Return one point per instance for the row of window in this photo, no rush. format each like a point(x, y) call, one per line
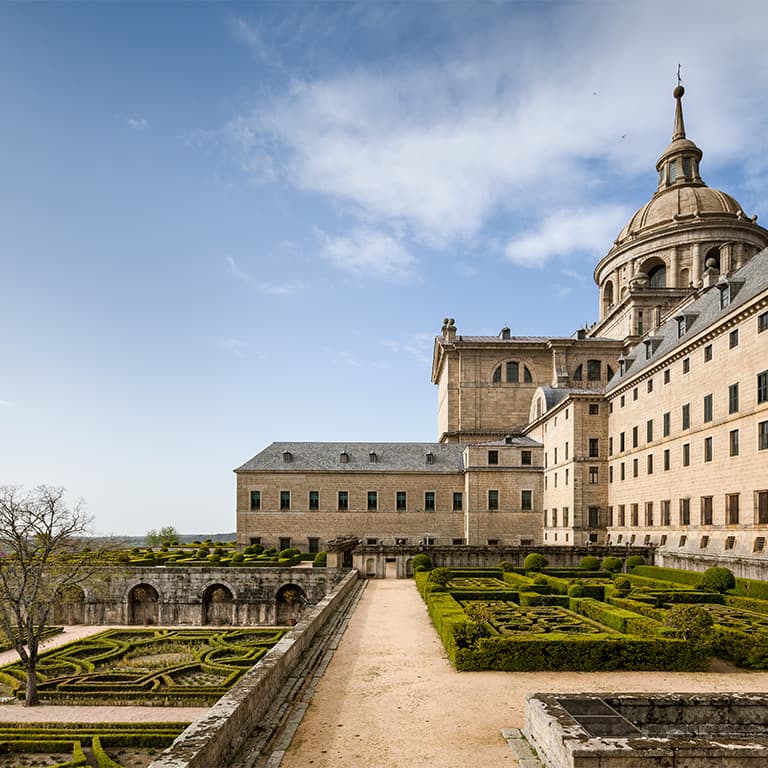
point(734, 449)
point(526, 458)
point(630, 515)
point(593, 450)
point(758, 544)
point(555, 520)
point(401, 501)
point(685, 414)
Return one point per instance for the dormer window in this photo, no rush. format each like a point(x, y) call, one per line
point(430, 457)
point(372, 457)
point(684, 323)
point(287, 457)
point(344, 457)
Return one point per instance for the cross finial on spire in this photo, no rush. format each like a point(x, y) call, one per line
point(678, 132)
point(679, 79)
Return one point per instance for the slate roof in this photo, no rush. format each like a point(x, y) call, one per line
point(703, 312)
point(390, 457)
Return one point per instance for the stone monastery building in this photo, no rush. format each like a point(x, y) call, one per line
point(649, 428)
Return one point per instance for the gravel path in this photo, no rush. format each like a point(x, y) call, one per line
point(390, 698)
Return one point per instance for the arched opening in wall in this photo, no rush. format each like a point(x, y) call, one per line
point(578, 374)
point(143, 605)
point(607, 297)
point(712, 258)
point(685, 278)
point(657, 276)
point(290, 601)
point(512, 372)
point(218, 605)
point(69, 607)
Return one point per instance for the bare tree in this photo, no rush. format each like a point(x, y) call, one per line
point(42, 557)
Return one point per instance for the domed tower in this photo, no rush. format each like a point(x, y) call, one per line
point(682, 240)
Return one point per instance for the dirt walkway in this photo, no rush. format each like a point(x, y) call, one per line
point(390, 698)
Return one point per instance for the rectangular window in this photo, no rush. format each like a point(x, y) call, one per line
point(593, 517)
point(493, 501)
point(686, 454)
point(707, 449)
point(593, 475)
point(285, 542)
point(762, 436)
point(686, 416)
point(707, 353)
point(665, 515)
point(513, 373)
point(733, 442)
point(610, 446)
point(566, 450)
point(593, 370)
point(343, 501)
point(649, 386)
point(622, 472)
point(730, 542)
point(633, 511)
point(621, 442)
point(457, 542)
point(526, 458)
point(649, 513)
point(686, 364)
point(526, 501)
point(622, 516)
point(254, 540)
point(704, 542)
point(594, 446)
point(666, 459)
point(685, 511)
point(373, 501)
point(665, 423)
point(635, 467)
point(759, 544)
point(285, 500)
point(732, 509)
point(762, 387)
point(761, 504)
point(762, 322)
point(733, 338)
point(635, 437)
point(314, 500)
point(621, 401)
point(429, 501)
point(401, 501)
point(649, 463)
point(649, 431)
point(493, 457)
point(313, 545)
point(255, 499)
point(565, 516)
point(707, 407)
point(706, 510)
point(457, 501)
point(634, 394)
point(610, 474)
point(733, 398)
point(594, 408)
point(666, 376)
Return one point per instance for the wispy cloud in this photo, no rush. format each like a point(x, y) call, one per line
point(4, 403)
point(235, 346)
point(368, 253)
point(565, 234)
point(263, 286)
point(137, 123)
point(417, 345)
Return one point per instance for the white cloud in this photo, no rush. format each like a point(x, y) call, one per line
point(263, 286)
point(418, 345)
point(4, 402)
point(235, 346)
point(137, 123)
point(440, 146)
point(368, 253)
point(567, 233)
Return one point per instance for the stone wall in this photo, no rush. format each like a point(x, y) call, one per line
point(213, 738)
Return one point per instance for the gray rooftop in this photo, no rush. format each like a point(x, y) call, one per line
point(747, 283)
point(361, 457)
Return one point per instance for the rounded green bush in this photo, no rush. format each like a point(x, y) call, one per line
point(634, 561)
point(440, 576)
point(505, 566)
point(589, 563)
point(576, 590)
point(540, 579)
point(321, 560)
point(717, 580)
point(422, 562)
point(612, 564)
point(238, 557)
point(535, 562)
point(623, 585)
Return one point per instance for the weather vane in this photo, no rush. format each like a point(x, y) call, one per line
point(679, 79)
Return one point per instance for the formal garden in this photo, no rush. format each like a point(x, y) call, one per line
point(163, 667)
point(606, 615)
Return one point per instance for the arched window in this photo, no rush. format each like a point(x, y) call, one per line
point(657, 276)
point(578, 374)
point(608, 296)
point(511, 373)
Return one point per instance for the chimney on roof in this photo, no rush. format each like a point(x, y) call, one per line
point(505, 333)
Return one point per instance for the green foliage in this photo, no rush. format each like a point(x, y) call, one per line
point(440, 576)
point(422, 561)
point(633, 561)
point(589, 563)
point(238, 558)
point(535, 561)
point(576, 590)
point(321, 560)
point(691, 622)
point(718, 580)
point(541, 580)
point(612, 564)
point(103, 760)
point(505, 566)
point(165, 535)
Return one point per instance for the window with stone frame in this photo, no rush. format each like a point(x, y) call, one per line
point(285, 500)
point(255, 500)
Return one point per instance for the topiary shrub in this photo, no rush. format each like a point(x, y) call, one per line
point(422, 562)
point(576, 590)
point(691, 622)
point(541, 580)
point(535, 562)
point(589, 563)
point(440, 576)
point(505, 566)
point(612, 564)
point(634, 561)
point(321, 560)
point(238, 558)
point(717, 580)
point(622, 585)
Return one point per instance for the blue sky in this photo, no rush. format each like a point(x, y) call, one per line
point(227, 224)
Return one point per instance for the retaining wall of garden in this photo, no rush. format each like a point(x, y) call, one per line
point(213, 738)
